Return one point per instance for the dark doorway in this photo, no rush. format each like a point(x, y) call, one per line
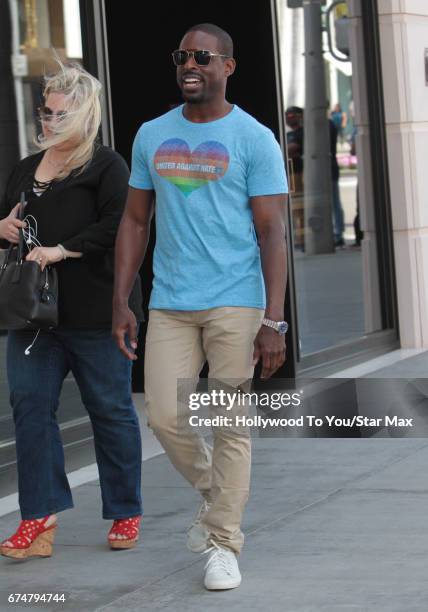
point(143, 86)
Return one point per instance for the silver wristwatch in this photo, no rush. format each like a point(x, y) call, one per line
point(279, 326)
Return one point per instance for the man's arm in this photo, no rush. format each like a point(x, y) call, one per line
point(131, 244)
point(269, 221)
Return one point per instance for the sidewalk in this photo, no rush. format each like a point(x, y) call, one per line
point(332, 526)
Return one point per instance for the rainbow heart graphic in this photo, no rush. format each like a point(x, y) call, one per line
point(190, 170)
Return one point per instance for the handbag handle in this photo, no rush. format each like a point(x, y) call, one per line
point(20, 216)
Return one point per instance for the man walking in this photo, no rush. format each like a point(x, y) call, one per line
point(219, 276)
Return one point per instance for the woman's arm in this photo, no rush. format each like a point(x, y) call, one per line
point(50, 255)
point(9, 228)
point(9, 224)
point(110, 202)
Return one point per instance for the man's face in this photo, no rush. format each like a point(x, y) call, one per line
point(201, 84)
point(293, 119)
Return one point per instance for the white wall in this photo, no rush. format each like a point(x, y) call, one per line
point(404, 37)
point(371, 290)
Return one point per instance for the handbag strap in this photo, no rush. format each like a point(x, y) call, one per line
point(21, 215)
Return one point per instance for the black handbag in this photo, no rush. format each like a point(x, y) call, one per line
point(28, 296)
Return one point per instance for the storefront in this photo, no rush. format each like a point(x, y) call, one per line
point(342, 256)
point(306, 58)
point(311, 72)
point(29, 31)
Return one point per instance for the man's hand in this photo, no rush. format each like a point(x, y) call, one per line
point(270, 347)
point(45, 256)
point(269, 220)
point(10, 225)
point(124, 323)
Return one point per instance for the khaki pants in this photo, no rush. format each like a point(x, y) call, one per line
point(177, 345)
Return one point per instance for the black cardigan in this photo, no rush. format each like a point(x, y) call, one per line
point(81, 212)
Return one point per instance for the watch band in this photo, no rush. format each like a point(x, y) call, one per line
point(269, 323)
point(280, 327)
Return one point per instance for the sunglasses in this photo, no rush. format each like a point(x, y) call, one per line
point(202, 57)
point(47, 114)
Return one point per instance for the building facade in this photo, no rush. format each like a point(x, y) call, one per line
point(403, 26)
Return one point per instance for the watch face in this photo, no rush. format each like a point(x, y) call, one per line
point(282, 327)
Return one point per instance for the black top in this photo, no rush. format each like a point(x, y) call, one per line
point(333, 151)
point(81, 212)
point(297, 136)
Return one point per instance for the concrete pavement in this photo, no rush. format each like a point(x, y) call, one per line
point(332, 525)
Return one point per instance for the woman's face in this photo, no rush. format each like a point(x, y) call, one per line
point(54, 107)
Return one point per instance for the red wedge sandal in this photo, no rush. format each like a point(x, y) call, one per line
point(129, 528)
point(31, 539)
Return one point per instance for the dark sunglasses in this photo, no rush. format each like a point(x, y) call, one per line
point(47, 114)
point(201, 57)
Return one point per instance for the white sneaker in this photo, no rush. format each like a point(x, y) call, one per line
point(221, 569)
point(197, 535)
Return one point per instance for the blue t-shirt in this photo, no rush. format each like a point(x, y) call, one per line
point(206, 253)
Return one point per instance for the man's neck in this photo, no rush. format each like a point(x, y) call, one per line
point(203, 113)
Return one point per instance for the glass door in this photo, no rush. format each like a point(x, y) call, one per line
point(333, 208)
point(34, 28)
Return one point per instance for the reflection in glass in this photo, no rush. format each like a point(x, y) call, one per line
point(335, 269)
point(33, 29)
point(38, 28)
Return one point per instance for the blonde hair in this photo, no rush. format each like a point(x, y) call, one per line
point(82, 119)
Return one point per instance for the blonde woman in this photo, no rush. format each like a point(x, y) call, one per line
point(76, 190)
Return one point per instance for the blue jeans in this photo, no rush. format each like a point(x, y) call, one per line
point(103, 376)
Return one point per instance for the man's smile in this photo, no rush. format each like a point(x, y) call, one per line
point(191, 81)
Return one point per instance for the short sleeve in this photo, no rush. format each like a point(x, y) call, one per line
point(266, 169)
point(140, 172)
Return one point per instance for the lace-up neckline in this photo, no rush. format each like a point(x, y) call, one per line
point(39, 187)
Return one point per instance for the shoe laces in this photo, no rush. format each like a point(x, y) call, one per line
point(203, 509)
point(219, 558)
